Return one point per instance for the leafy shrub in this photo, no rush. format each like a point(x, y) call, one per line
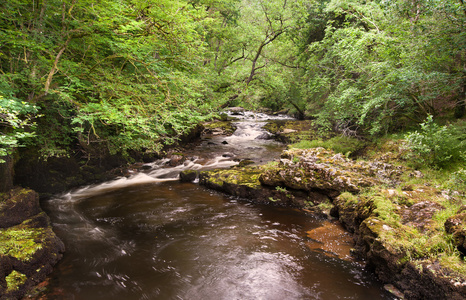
point(457, 181)
point(436, 146)
point(15, 118)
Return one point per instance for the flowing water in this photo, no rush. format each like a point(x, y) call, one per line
point(149, 236)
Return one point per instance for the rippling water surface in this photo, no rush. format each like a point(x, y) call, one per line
point(152, 237)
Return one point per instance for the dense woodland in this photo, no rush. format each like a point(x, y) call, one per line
point(117, 76)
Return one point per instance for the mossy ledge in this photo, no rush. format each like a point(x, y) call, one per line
point(406, 235)
point(28, 247)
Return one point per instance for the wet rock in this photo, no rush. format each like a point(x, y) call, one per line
point(331, 239)
point(244, 182)
point(225, 142)
point(176, 160)
point(236, 110)
point(189, 175)
point(217, 128)
point(146, 167)
point(288, 130)
point(427, 279)
point(291, 131)
point(394, 291)
point(245, 162)
point(264, 136)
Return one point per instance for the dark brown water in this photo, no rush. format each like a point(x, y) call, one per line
point(152, 237)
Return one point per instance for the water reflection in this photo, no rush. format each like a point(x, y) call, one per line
point(179, 241)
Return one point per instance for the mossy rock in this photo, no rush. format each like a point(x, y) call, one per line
point(324, 170)
point(244, 182)
point(238, 176)
point(221, 127)
point(29, 252)
point(292, 131)
point(189, 175)
point(18, 205)
point(399, 241)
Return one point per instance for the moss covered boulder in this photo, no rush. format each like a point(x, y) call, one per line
point(244, 182)
point(218, 127)
point(323, 170)
point(292, 131)
point(28, 246)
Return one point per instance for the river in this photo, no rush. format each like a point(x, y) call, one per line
point(149, 236)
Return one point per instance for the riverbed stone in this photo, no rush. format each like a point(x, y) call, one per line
point(292, 131)
point(236, 110)
point(189, 175)
point(218, 128)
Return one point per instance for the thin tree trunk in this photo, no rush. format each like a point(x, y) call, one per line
point(460, 107)
point(55, 66)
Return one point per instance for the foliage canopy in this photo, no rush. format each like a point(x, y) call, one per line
point(129, 75)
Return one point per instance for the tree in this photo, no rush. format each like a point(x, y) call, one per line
point(108, 75)
point(257, 44)
point(388, 64)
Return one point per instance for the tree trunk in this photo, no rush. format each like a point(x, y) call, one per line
point(6, 174)
point(460, 107)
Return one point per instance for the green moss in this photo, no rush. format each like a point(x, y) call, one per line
point(430, 243)
point(21, 241)
point(339, 144)
point(226, 126)
point(325, 206)
point(248, 176)
point(385, 209)
point(348, 198)
point(453, 262)
point(15, 280)
point(293, 131)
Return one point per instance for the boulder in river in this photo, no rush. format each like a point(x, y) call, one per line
point(236, 110)
point(244, 182)
point(323, 170)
